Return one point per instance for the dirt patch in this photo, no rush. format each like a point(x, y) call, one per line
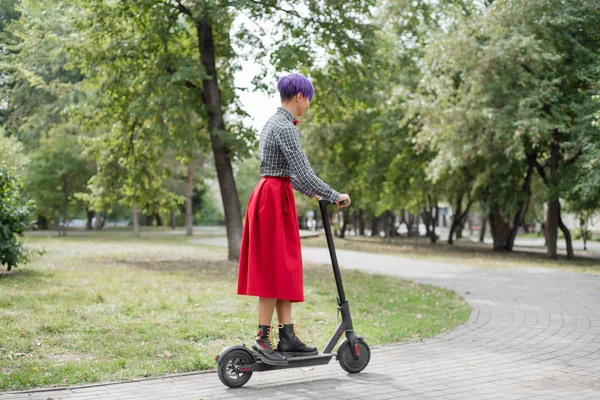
point(221, 268)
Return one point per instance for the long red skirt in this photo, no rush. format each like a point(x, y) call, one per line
point(271, 259)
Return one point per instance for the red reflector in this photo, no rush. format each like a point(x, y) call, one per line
point(356, 350)
point(217, 358)
point(246, 369)
point(340, 333)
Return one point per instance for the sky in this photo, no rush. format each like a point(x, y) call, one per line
point(259, 105)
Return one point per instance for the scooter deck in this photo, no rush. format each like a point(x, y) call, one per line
point(293, 362)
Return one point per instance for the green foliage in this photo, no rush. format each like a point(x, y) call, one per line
point(14, 211)
point(145, 74)
point(502, 89)
point(208, 213)
point(246, 178)
point(57, 171)
point(13, 156)
point(14, 220)
point(36, 86)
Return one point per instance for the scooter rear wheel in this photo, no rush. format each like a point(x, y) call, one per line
point(227, 368)
point(347, 360)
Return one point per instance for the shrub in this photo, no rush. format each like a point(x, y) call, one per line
point(14, 219)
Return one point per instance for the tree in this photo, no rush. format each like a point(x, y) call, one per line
point(583, 193)
point(8, 13)
point(571, 31)
point(14, 211)
point(57, 171)
point(36, 89)
point(210, 25)
point(491, 103)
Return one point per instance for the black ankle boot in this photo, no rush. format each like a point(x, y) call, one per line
point(291, 345)
point(264, 345)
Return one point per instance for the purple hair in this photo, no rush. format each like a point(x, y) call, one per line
point(292, 84)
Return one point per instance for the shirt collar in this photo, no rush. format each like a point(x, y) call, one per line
point(288, 115)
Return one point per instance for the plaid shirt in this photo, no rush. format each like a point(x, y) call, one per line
point(281, 155)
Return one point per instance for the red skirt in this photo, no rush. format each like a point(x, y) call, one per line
point(271, 259)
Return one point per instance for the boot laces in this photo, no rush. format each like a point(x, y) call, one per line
point(270, 338)
point(297, 333)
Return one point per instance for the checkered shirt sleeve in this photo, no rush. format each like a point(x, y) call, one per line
point(281, 155)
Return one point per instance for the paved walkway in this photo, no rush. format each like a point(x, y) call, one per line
point(533, 334)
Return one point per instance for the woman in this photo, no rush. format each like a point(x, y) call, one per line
point(271, 261)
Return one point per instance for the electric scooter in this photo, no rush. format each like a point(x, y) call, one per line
point(236, 364)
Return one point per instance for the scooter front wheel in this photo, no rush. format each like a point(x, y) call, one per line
point(227, 368)
point(347, 360)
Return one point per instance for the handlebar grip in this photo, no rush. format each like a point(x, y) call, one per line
point(344, 203)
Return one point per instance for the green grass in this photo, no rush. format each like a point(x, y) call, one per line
point(462, 252)
point(106, 307)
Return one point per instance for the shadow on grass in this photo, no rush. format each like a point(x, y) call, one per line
point(19, 273)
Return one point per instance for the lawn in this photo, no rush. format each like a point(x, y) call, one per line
point(462, 252)
point(106, 307)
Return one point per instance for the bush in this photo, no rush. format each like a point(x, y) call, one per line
point(14, 220)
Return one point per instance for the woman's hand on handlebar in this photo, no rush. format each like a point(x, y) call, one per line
point(344, 200)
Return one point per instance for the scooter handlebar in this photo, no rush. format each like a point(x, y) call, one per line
point(344, 203)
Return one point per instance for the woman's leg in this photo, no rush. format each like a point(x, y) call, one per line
point(265, 341)
point(284, 311)
point(289, 343)
point(265, 310)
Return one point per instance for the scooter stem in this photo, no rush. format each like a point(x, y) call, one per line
point(334, 263)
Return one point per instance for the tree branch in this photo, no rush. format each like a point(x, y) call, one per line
point(572, 160)
point(183, 8)
point(541, 172)
point(278, 8)
point(189, 84)
point(131, 146)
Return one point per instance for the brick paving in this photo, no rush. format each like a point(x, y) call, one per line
point(533, 333)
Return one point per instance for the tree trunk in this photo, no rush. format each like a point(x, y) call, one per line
point(64, 209)
point(361, 222)
point(98, 222)
point(189, 224)
point(584, 231)
point(172, 218)
point(90, 216)
point(344, 226)
point(460, 228)
point(500, 229)
point(554, 203)
point(212, 100)
point(392, 226)
point(552, 227)
point(426, 222)
point(435, 220)
point(463, 219)
point(385, 220)
point(429, 220)
point(567, 234)
point(482, 233)
point(375, 226)
point(64, 220)
point(410, 221)
point(136, 222)
point(455, 219)
point(158, 219)
point(42, 222)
